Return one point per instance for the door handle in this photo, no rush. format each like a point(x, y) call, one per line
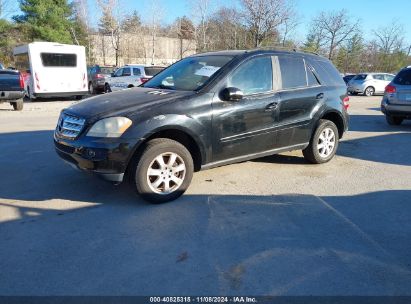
point(271, 106)
point(319, 96)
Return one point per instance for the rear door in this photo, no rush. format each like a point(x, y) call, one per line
point(58, 73)
point(300, 94)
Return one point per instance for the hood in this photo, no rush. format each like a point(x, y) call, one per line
point(128, 100)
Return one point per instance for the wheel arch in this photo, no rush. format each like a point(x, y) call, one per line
point(182, 136)
point(337, 119)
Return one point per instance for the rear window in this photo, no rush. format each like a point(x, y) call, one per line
point(58, 60)
point(360, 77)
point(403, 78)
point(327, 72)
point(151, 71)
point(106, 71)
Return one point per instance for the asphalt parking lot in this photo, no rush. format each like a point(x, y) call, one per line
point(272, 226)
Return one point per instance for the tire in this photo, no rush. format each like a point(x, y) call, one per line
point(17, 105)
point(317, 155)
point(91, 89)
point(152, 188)
point(31, 98)
point(369, 91)
point(394, 120)
point(107, 88)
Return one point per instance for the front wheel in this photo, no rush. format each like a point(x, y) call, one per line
point(369, 91)
point(107, 88)
point(164, 170)
point(323, 144)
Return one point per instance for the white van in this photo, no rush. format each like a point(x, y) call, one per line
point(52, 69)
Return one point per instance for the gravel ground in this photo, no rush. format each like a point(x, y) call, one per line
point(272, 226)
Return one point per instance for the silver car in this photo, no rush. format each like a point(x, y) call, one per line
point(369, 84)
point(396, 103)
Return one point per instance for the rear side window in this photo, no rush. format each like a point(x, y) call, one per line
point(388, 77)
point(403, 78)
point(379, 77)
point(58, 60)
point(293, 74)
point(151, 71)
point(254, 76)
point(328, 73)
point(136, 72)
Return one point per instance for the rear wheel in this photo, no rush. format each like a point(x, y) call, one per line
point(164, 170)
point(17, 105)
point(91, 89)
point(323, 144)
point(394, 120)
point(369, 91)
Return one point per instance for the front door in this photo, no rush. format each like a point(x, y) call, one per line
point(246, 126)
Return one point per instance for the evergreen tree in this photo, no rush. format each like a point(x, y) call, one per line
point(47, 20)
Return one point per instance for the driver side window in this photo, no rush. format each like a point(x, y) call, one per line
point(253, 77)
point(119, 73)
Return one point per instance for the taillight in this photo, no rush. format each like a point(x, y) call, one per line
point(37, 80)
point(99, 76)
point(21, 82)
point(390, 89)
point(346, 102)
point(144, 79)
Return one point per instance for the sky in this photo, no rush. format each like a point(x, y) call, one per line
point(372, 13)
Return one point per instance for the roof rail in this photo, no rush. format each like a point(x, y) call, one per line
point(284, 48)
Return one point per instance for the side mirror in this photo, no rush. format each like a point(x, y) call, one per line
point(112, 74)
point(231, 94)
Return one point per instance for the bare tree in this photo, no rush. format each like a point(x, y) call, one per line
point(110, 24)
point(289, 25)
point(201, 11)
point(390, 38)
point(334, 28)
point(156, 14)
point(262, 17)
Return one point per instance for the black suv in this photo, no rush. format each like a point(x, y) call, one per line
point(204, 111)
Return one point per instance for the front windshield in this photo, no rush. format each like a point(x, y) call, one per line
point(188, 74)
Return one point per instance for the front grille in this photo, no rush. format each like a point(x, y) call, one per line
point(70, 126)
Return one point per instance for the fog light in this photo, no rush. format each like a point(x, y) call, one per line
point(91, 153)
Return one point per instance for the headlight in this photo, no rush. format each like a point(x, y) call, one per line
point(110, 127)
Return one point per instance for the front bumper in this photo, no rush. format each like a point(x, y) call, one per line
point(106, 157)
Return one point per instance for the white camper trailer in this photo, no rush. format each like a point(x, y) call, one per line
point(52, 69)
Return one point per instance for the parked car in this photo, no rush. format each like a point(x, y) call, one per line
point(369, 84)
point(396, 103)
point(131, 76)
point(204, 111)
point(52, 69)
point(347, 78)
point(12, 88)
point(98, 78)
